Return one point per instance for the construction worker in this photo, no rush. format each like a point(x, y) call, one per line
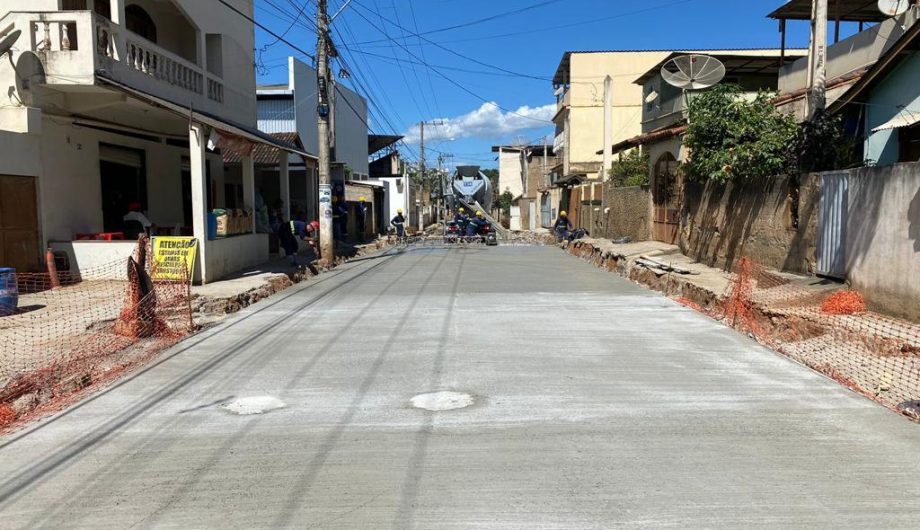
point(399, 223)
point(474, 224)
point(289, 232)
point(339, 218)
point(562, 226)
point(462, 219)
point(361, 217)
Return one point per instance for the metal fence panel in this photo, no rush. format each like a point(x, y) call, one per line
point(832, 224)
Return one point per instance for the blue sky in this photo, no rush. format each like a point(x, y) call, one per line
point(505, 60)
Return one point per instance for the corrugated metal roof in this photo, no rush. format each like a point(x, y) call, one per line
point(847, 10)
point(905, 118)
point(262, 153)
point(276, 116)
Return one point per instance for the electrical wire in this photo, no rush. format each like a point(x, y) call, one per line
point(445, 77)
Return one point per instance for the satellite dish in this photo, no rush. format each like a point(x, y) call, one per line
point(652, 96)
point(693, 72)
point(30, 73)
point(893, 8)
point(7, 43)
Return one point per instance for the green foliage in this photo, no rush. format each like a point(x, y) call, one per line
point(504, 201)
point(732, 137)
point(631, 170)
point(822, 144)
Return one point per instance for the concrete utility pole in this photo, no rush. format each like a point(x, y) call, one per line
point(422, 169)
point(608, 126)
point(326, 242)
point(817, 61)
point(608, 155)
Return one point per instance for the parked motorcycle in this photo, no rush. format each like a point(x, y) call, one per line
point(452, 232)
point(487, 234)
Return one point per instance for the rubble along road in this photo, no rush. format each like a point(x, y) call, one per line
point(509, 387)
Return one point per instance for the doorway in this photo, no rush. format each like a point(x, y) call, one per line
point(19, 238)
point(123, 181)
point(666, 197)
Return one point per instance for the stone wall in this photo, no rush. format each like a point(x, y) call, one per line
point(772, 222)
point(627, 212)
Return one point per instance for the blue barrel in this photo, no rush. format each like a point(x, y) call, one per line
point(212, 226)
point(9, 292)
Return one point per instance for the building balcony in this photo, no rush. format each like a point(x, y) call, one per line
point(75, 48)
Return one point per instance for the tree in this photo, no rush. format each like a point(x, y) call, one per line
point(631, 170)
point(734, 137)
point(504, 201)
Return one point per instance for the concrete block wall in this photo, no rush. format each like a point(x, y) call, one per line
point(883, 238)
point(772, 222)
point(627, 212)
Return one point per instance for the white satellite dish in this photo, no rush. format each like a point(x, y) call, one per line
point(693, 72)
point(893, 8)
point(7, 43)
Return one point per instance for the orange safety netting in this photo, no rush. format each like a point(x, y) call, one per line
point(829, 330)
point(72, 330)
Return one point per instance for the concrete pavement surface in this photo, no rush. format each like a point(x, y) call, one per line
point(553, 395)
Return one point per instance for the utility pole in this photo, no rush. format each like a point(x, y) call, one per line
point(326, 242)
point(817, 61)
point(423, 176)
point(608, 155)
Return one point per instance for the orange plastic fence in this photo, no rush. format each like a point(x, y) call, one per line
point(78, 330)
point(830, 331)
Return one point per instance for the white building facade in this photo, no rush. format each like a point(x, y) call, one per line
point(114, 102)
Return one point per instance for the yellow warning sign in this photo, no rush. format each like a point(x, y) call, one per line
point(174, 257)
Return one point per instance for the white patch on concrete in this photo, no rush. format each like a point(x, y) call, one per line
point(438, 401)
point(253, 405)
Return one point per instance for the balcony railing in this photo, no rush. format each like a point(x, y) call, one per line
point(89, 42)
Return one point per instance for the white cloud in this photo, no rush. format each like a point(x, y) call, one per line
point(487, 122)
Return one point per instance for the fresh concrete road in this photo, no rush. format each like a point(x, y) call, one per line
point(595, 404)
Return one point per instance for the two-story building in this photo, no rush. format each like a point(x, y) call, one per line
point(525, 171)
point(115, 104)
point(664, 120)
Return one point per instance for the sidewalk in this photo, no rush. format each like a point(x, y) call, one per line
point(870, 353)
point(214, 301)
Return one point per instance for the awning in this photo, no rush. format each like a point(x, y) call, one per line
point(906, 118)
point(262, 154)
point(662, 133)
point(571, 180)
point(845, 10)
point(225, 126)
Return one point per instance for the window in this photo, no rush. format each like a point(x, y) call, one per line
point(215, 53)
point(103, 8)
point(74, 5)
point(139, 22)
point(910, 144)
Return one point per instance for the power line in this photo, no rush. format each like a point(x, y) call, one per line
point(448, 79)
point(473, 22)
point(265, 29)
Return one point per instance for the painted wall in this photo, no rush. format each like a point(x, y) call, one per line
point(69, 184)
point(226, 256)
point(350, 126)
point(78, 66)
point(851, 54)
point(585, 126)
point(883, 237)
point(898, 93)
point(510, 173)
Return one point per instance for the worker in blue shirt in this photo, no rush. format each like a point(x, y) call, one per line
point(562, 226)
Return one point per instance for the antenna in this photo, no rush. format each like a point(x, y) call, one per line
point(7, 43)
point(693, 72)
point(893, 8)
